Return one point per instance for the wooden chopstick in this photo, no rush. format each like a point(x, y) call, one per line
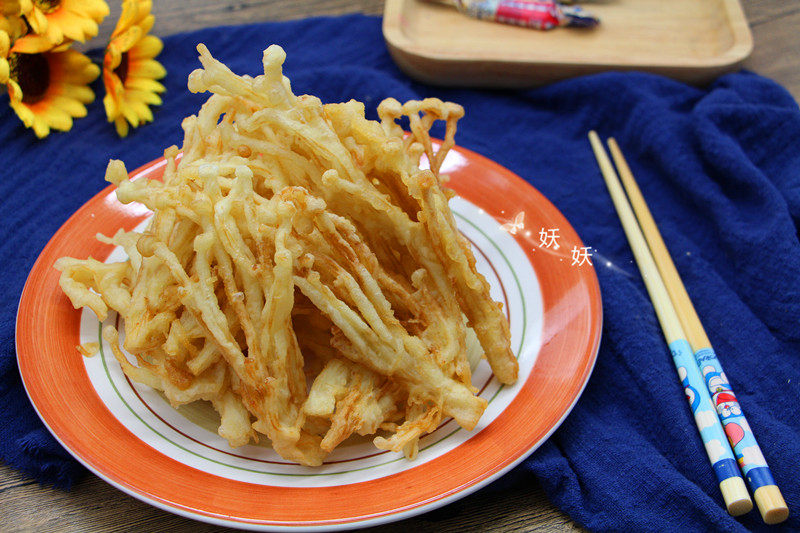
point(732, 487)
point(767, 495)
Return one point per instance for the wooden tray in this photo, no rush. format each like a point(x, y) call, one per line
point(690, 40)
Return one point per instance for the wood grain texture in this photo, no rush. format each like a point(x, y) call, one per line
point(187, 15)
point(776, 53)
point(690, 40)
point(94, 506)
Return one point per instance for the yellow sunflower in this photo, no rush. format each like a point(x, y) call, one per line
point(130, 70)
point(11, 17)
point(47, 90)
point(56, 21)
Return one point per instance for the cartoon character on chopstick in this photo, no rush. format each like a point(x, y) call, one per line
point(739, 434)
point(717, 381)
point(725, 403)
point(728, 409)
point(691, 392)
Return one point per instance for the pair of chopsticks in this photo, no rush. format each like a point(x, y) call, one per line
point(717, 413)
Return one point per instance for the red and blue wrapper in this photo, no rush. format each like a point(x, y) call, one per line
point(536, 14)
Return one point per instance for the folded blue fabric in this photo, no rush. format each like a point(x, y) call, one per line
point(719, 166)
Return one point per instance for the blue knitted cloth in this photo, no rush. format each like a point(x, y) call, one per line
point(719, 166)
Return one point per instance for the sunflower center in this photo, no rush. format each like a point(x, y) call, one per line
point(122, 70)
point(47, 6)
point(32, 73)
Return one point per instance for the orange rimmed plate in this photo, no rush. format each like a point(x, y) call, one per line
point(129, 435)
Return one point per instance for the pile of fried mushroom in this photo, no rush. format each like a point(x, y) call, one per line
point(301, 272)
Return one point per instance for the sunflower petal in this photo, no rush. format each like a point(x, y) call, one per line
point(127, 39)
point(81, 93)
point(36, 19)
point(144, 84)
point(96, 9)
point(122, 127)
point(14, 91)
point(72, 107)
point(57, 119)
point(73, 25)
point(141, 110)
point(148, 68)
point(112, 58)
point(76, 68)
point(25, 115)
point(73, 59)
point(54, 33)
point(146, 97)
point(147, 48)
point(128, 17)
point(14, 26)
point(130, 115)
point(145, 6)
point(32, 44)
point(114, 88)
point(40, 128)
point(112, 109)
point(5, 44)
point(147, 24)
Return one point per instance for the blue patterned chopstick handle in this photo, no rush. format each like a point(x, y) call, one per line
point(738, 431)
point(705, 414)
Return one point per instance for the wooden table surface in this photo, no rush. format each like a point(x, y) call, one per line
point(93, 506)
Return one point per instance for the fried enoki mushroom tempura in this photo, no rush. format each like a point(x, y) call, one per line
point(300, 272)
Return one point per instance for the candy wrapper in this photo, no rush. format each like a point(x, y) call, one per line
point(537, 14)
